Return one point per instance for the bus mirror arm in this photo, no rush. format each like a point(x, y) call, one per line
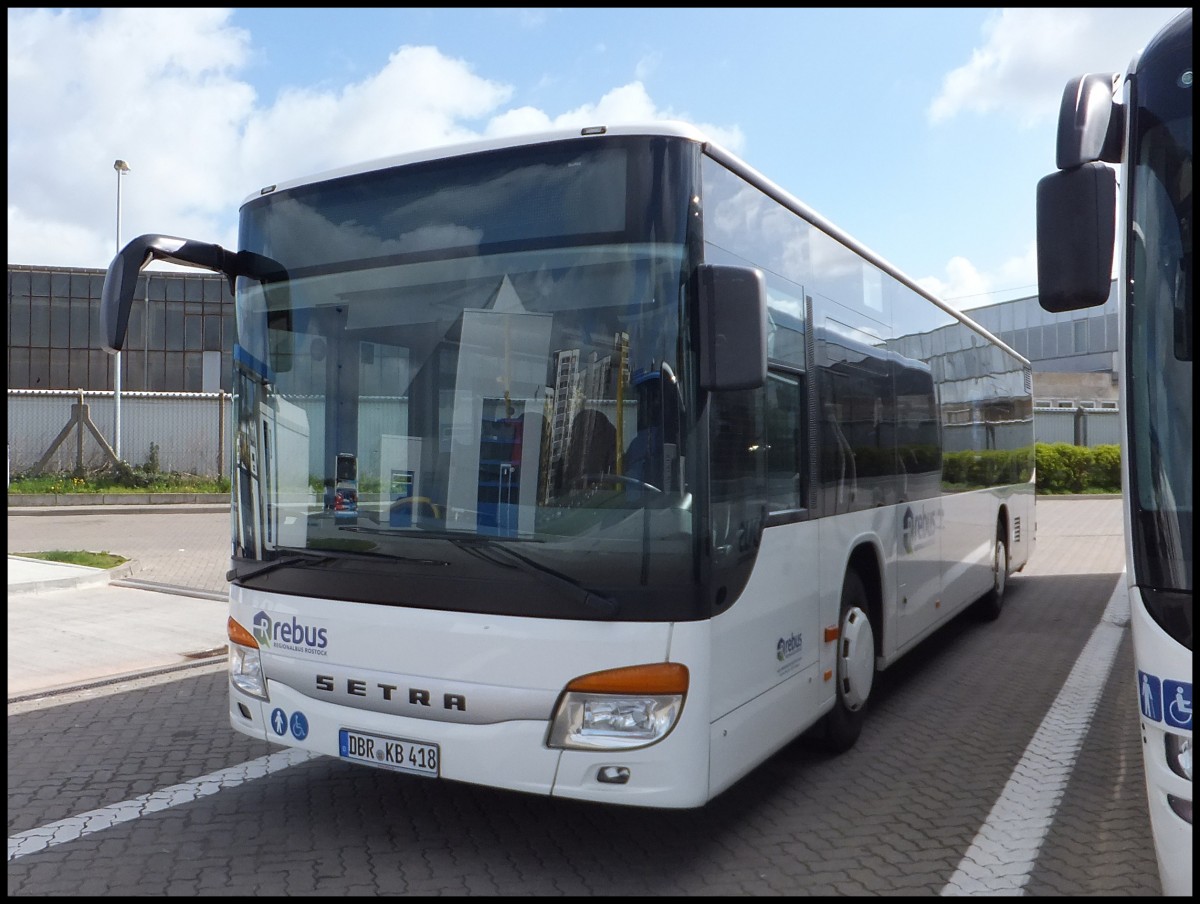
point(120, 282)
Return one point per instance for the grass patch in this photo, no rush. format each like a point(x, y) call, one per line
point(77, 557)
point(110, 482)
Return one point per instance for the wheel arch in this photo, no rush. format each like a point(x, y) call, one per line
point(866, 561)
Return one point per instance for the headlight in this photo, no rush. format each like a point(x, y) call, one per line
point(1179, 761)
point(619, 708)
point(245, 664)
point(1179, 754)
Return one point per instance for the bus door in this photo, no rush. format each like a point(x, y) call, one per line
point(919, 510)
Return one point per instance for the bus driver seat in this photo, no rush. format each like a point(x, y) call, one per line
point(591, 451)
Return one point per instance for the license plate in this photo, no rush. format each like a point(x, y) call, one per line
point(399, 754)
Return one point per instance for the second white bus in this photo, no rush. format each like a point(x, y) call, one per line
point(1140, 120)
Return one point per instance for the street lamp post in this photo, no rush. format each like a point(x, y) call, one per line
point(122, 168)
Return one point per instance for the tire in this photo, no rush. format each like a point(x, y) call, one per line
point(843, 724)
point(992, 602)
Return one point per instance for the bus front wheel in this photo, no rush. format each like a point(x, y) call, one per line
point(855, 668)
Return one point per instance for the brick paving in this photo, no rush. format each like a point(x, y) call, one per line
point(892, 816)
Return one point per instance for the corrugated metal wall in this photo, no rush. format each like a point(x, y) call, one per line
point(1078, 426)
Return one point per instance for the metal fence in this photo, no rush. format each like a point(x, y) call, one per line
point(186, 432)
point(190, 431)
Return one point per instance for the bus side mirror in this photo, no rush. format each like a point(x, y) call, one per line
point(732, 320)
point(1076, 226)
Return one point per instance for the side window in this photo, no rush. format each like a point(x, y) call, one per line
point(786, 447)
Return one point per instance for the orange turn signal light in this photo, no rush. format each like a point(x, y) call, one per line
point(239, 635)
point(654, 678)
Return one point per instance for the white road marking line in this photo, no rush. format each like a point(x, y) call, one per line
point(25, 843)
point(1005, 849)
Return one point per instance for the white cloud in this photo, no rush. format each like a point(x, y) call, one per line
point(153, 87)
point(168, 91)
point(1019, 71)
point(964, 287)
point(1029, 54)
point(419, 99)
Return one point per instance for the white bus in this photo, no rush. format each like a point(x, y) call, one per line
point(1141, 121)
point(591, 464)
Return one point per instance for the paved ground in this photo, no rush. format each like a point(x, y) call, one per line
point(183, 546)
point(163, 610)
point(938, 754)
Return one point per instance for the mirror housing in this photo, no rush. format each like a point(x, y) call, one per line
point(732, 325)
point(1089, 122)
point(1076, 226)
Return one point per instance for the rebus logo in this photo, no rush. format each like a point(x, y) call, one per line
point(288, 634)
point(919, 526)
point(789, 646)
point(262, 629)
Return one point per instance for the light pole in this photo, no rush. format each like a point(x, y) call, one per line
point(122, 168)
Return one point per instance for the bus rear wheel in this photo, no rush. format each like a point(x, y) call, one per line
point(855, 668)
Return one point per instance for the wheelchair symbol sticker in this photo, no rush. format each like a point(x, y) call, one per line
point(1177, 704)
point(299, 726)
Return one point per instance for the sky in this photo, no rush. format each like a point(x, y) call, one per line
point(922, 133)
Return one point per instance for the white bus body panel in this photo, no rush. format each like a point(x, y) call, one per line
point(522, 662)
point(1155, 652)
point(766, 654)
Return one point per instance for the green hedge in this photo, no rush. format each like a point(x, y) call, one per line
point(1064, 468)
point(1061, 468)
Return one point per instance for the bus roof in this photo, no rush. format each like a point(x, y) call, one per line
point(668, 128)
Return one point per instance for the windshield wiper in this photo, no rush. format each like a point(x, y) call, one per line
point(296, 558)
point(481, 547)
point(306, 559)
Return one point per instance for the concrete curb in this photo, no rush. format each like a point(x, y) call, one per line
point(119, 509)
point(205, 658)
point(40, 500)
point(73, 576)
point(175, 589)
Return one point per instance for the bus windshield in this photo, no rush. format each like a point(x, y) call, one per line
point(1160, 320)
point(470, 371)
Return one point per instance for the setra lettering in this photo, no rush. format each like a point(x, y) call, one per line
point(358, 687)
